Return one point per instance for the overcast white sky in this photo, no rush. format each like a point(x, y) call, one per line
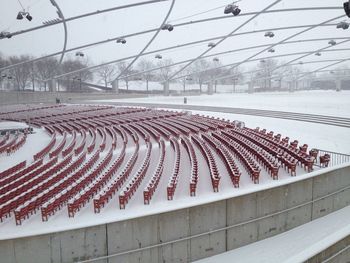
point(126, 21)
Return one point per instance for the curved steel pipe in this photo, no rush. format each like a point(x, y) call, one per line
point(150, 42)
point(223, 39)
point(178, 25)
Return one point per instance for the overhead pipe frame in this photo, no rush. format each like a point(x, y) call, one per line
point(177, 25)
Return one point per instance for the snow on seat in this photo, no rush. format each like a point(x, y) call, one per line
point(131, 187)
point(194, 164)
point(88, 167)
point(154, 181)
point(171, 187)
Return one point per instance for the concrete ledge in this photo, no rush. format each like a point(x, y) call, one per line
point(192, 233)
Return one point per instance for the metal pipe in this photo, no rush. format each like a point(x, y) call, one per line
point(280, 42)
point(60, 14)
point(179, 25)
point(85, 15)
point(150, 42)
point(223, 39)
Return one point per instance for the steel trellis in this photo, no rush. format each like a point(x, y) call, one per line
point(175, 25)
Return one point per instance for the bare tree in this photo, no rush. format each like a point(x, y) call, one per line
point(46, 68)
point(165, 72)
point(22, 73)
point(106, 74)
point(122, 67)
point(73, 65)
point(145, 65)
point(199, 69)
point(266, 68)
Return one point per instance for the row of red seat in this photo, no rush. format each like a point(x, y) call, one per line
point(79, 149)
point(131, 187)
point(189, 126)
point(112, 133)
point(91, 185)
point(194, 164)
point(160, 129)
point(226, 157)
point(243, 156)
point(71, 146)
point(12, 170)
point(189, 119)
point(18, 144)
point(57, 185)
point(214, 172)
point(18, 196)
point(4, 139)
point(9, 184)
point(42, 153)
point(265, 159)
point(107, 193)
point(174, 177)
point(102, 133)
point(283, 157)
point(9, 144)
point(299, 154)
point(59, 148)
point(153, 182)
point(92, 144)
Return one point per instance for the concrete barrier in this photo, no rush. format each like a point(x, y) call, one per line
point(193, 233)
point(26, 97)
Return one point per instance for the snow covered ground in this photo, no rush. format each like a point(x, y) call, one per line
point(296, 245)
point(316, 135)
point(314, 102)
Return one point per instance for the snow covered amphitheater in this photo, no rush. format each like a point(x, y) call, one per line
point(174, 131)
point(186, 186)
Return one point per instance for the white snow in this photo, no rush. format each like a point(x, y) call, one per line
point(34, 143)
point(12, 125)
point(296, 245)
point(314, 102)
point(316, 135)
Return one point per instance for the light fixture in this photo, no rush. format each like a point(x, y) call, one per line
point(347, 8)
point(332, 43)
point(168, 27)
point(211, 44)
point(158, 56)
point(269, 34)
point(121, 40)
point(232, 8)
point(216, 59)
point(29, 17)
point(301, 63)
point(79, 54)
point(343, 24)
point(262, 60)
point(21, 14)
point(271, 50)
point(318, 54)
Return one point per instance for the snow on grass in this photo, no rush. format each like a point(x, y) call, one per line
point(316, 102)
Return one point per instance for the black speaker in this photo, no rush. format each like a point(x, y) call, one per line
point(347, 8)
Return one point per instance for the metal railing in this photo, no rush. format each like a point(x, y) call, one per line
point(336, 158)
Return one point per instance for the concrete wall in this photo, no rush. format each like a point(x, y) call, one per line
point(337, 253)
point(193, 233)
point(23, 97)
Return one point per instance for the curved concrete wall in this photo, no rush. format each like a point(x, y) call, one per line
point(192, 233)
